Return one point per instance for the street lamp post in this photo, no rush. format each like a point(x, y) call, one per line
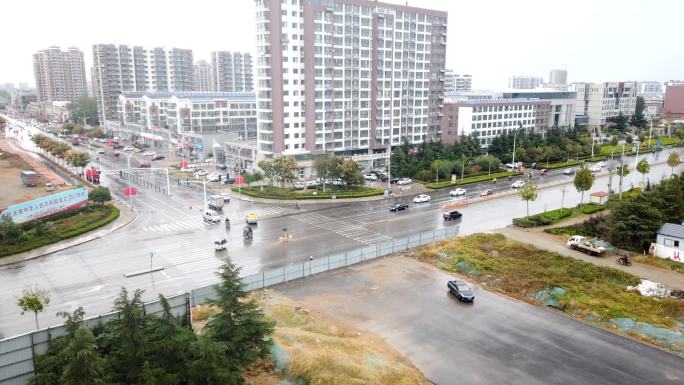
point(204, 185)
point(515, 135)
point(130, 191)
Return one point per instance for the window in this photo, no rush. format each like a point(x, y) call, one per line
point(671, 242)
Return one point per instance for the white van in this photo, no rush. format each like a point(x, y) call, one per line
point(49, 187)
point(210, 216)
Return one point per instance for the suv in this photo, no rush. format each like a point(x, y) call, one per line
point(461, 291)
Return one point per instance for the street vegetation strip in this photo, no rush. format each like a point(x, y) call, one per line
point(555, 216)
point(659, 262)
point(272, 192)
point(24, 237)
point(482, 177)
point(568, 163)
point(580, 289)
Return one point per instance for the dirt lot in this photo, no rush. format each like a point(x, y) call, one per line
point(12, 190)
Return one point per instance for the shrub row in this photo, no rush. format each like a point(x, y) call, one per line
point(472, 179)
point(590, 208)
point(543, 219)
point(291, 195)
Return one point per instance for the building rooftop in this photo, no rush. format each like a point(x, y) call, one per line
point(199, 96)
point(672, 229)
point(495, 101)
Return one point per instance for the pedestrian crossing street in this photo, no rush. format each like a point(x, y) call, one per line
point(198, 223)
point(344, 228)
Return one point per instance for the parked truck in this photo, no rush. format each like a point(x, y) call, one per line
point(580, 243)
point(215, 202)
point(29, 178)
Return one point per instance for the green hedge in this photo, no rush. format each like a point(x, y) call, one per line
point(64, 226)
point(557, 165)
point(283, 193)
point(542, 219)
point(590, 208)
point(472, 179)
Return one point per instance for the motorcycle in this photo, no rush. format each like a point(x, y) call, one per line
point(227, 223)
point(623, 260)
point(297, 206)
point(247, 233)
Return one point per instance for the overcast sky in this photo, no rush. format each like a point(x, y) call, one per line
point(597, 40)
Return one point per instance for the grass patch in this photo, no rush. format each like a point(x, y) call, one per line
point(659, 262)
point(271, 192)
point(629, 194)
point(321, 350)
point(663, 141)
point(472, 179)
point(590, 208)
point(60, 227)
point(557, 165)
point(546, 218)
point(628, 150)
point(521, 270)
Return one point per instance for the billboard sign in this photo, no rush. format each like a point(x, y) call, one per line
point(47, 205)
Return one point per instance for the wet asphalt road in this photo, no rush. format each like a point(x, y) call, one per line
point(495, 340)
point(171, 228)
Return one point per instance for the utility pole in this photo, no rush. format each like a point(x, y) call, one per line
point(650, 132)
point(563, 196)
point(389, 164)
point(622, 156)
point(636, 162)
point(515, 134)
point(610, 175)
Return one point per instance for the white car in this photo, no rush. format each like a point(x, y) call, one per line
point(421, 198)
point(404, 181)
point(596, 168)
point(370, 177)
point(457, 193)
point(312, 183)
point(569, 171)
point(101, 152)
point(149, 153)
point(518, 184)
point(601, 164)
point(213, 177)
point(201, 173)
point(128, 148)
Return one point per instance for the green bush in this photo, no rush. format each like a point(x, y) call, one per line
point(590, 208)
point(425, 175)
point(543, 219)
point(558, 165)
point(481, 177)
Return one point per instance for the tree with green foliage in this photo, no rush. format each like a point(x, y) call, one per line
point(34, 300)
point(583, 181)
point(673, 161)
point(643, 168)
point(638, 119)
point(620, 122)
point(239, 324)
point(11, 232)
point(488, 162)
point(84, 106)
point(100, 195)
point(83, 364)
point(211, 365)
point(285, 168)
point(632, 224)
point(528, 193)
point(269, 171)
point(629, 139)
point(613, 140)
point(351, 173)
point(326, 168)
point(127, 341)
point(78, 159)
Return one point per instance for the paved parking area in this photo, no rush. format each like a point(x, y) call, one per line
point(493, 341)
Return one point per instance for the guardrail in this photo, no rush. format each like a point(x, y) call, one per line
point(17, 353)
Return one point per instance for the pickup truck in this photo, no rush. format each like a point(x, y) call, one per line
point(580, 243)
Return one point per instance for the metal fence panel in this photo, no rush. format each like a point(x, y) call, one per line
point(336, 261)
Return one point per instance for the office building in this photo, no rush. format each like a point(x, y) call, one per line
point(673, 107)
point(347, 76)
point(598, 102)
point(202, 75)
point(653, 105)
point(485, 119)
point(457, 82)
point(558, 76)
point(524, 82)
point(650, 88)
point(196, 120)
point(60, 75)
point(232, 72)
point(20, 100)
point(125, 68)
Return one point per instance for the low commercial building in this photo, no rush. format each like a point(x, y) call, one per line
point(673, 107)
point(487, 118)
point(598, 102)
point(194, 121)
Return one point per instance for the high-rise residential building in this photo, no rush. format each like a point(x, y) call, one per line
point(60, 75)
point(597, 102)
point(202, 81)
point(347, 76)
point(674, 101)
point(558, 76)
point(524, 82)
point(650, 88)
point(122, 68)
point(232, 72)
point(457, 82)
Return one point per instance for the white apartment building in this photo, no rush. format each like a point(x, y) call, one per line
point(558, 76)
point(231, 72)
point(125, 68)
point(596, 102)
point(202, 75)
point(650, 88)
point(457, 82)
point(347, 75)
point(525, 82)
point(185, 119)
point(486, 119)
point(60, 75)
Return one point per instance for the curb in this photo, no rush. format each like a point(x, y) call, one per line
point(122, 221)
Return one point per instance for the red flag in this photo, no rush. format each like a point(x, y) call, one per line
point(183, 164)
point(240, 180)
point(128, 191)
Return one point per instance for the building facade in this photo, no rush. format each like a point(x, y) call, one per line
point(202, 75)
point(562, 104)
point(457, 82)
point(673, 106)
point(650, 88)
point(60, 75)
point(598, 102)
point(125, 68)
point(347, 75)
point(486, 119)
point(232, 72)
point(558, 76)
point(524, 82)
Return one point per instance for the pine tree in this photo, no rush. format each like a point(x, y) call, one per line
point(239, 324)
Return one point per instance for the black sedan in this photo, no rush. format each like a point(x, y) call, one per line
point(158, 157)
point(399, 207)
point(461, 291)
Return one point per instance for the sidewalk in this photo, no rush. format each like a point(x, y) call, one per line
point(125, 217)
point(540, 239)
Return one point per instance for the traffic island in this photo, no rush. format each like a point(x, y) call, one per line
point(279, 193)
